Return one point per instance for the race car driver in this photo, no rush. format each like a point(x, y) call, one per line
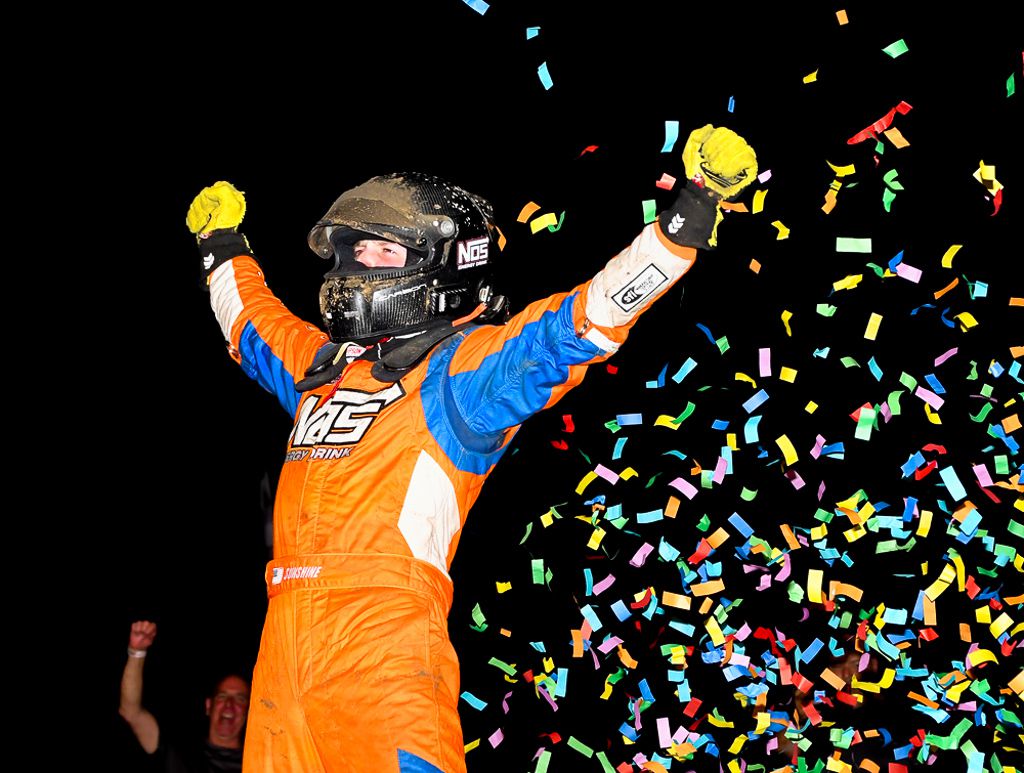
point(400, 411)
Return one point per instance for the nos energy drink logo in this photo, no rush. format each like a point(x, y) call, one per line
point(473, 252)
point(344, 419)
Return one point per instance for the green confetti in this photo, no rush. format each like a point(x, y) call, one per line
point(542, 762)
point(849, 362)
point(1016, 529)
point(890, 179)
point(747, 495)
point(982, 413)
point(705, 523)
point(1011, 88)
point(887, 199)
point(896, 49)
point(908, 381)
point(502, 665)
point(606, 766)
point(850, 244)
point(865, 421)
point(581, 747)
point(558, 225)
point(1002, 464)
point(529, 528)
point(825, 309)
point(894, 402)
point(613, 425)
point(974, 371)
point(537, 568)
point(795, 592)
point(650, 211)
point(479, 619)
point(723, 344)
point(879, 271)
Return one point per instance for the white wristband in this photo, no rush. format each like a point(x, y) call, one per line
point(134, 653)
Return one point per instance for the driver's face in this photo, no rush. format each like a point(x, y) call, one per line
point(376, 253)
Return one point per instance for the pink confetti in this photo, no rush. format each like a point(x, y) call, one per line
point(684, 487)
point(943, 357)
point(909, 273)
point(720, 469)
point(981, 473)
point(764, 362)
point(604, 585)
point(664, 733)
point(641, 555)
point(609, 475)
point(496, 738)
point(609, 645)
point(929, 397)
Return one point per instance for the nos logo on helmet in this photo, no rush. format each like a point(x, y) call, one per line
point(473, 252)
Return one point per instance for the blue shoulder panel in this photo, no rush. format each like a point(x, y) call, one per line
point(468, 413)
point(263, 366)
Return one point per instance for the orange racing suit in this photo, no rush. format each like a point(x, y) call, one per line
point(355, 669)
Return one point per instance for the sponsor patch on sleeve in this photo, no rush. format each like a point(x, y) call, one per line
point(640, 288)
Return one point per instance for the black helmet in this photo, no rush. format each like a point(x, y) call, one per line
point(451, 244)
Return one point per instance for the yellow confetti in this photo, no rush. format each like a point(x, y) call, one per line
point(471, 745)
point(842, 171)
point(783, 231)
point(666, 421)
point(986, 175)
point(1001, 623)
point(717, 637)
point(926, 523)
point(811, 406)
point(734, 748)
point(983, 615)
point(847, 282)
point(595, 538)
point(788, 452)
point(871, 333)
point(543, 222)
point(933, 416)
point(980, 656)
point(786, 317)
point(947, 259)
point(503, 586)
point(811, 78)
point(884, 683)
point(944, 580)
point(787, 374)
point(587, 480)
point(758, 204)
point(628, 473)
point(744, 377)
point(814, 578)
point(966, 320)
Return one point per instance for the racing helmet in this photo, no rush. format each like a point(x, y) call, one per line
point(451, 243)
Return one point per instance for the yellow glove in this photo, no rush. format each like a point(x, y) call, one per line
point(220, 205)
point(720, 159)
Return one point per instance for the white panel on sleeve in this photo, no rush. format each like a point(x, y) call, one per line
point(224, 297)
point(430, 513)
point(632, 279)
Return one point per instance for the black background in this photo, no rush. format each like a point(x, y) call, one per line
point(294, 108)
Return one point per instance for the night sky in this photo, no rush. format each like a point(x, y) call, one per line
point(293, 110)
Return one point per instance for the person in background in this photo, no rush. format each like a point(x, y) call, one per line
point(227, 708)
